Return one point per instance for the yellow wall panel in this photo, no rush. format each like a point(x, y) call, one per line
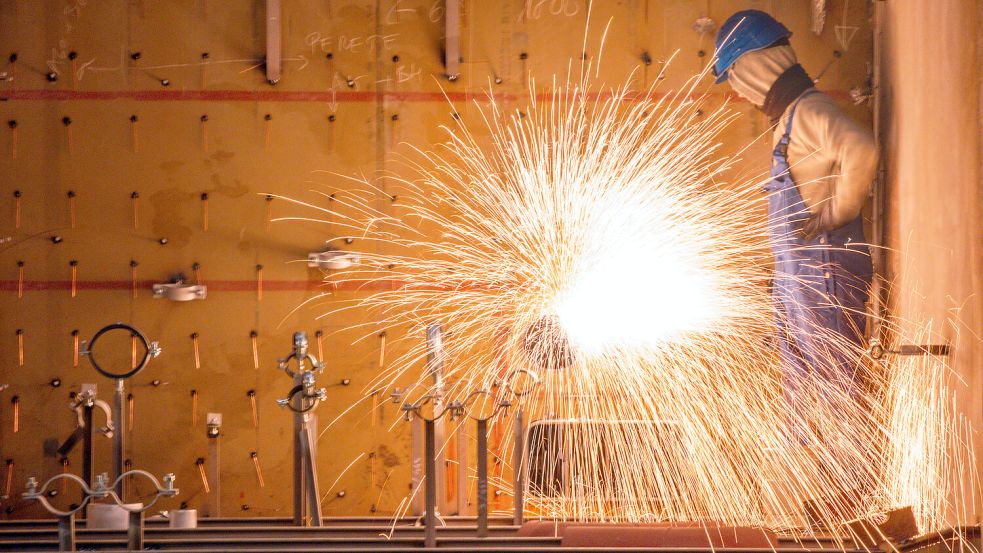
point(363, 81)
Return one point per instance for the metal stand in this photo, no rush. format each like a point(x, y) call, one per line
point(88, 471)
point(455, 409)
point(66, 532)
point(517, 461)
point(134, 532)
point(302, 400)
point(435, 368)
point(84, 405)
point(482, 455)
point(306, 491)
point(430, 515)
point(213, 425)
point(102, 489)
point(119, 437)
point(151, 351)
point(461, 497)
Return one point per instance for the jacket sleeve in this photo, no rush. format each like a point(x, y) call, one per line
point(852, 153)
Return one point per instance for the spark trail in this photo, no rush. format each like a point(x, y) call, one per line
point(597, 241)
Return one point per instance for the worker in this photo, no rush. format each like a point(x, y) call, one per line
point(823, 166)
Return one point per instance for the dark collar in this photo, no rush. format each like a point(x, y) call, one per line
point(789, 86)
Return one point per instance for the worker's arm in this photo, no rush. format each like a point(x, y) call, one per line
point(851, 149)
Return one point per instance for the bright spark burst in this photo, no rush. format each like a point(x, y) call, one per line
point(602, 228)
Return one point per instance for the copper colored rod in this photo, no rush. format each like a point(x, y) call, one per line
point(130, 407)
point(259, 471)
point(201, 470)
point(269, 211)
point(194, 408)
point(375, 409)
point(75, 348)
point(382, 349)
point(133, 352)
point(15, 401)
point(10, 477)
point(13, 143)
point(253, 337)
point(133, 277)
point(194, 344)
point(204, 211)
point(372, 470)
point(20, 347)
point(134, 196)
point(20, 279)
point(204, 133)
point(64, 470)
point(75, 273)
point(17, 209)
point(319, 336)
point(252, 404)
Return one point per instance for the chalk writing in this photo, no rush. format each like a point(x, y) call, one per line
point(536, 9)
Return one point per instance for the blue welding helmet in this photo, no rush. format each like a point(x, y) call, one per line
point(743, 32)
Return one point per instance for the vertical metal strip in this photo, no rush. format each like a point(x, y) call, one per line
point(300, 518)
point(273, 47)
point(462, 470)
point(430, 517)
point(119, 446)
point(517, 467)
point(452, 39)
point(482, 462)
point(215, 477)
point(416, 466)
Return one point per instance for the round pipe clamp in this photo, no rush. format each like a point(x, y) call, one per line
point(151, 350)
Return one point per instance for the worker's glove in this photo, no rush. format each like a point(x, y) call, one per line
point(816, 223)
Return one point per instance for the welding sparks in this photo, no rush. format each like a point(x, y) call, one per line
point(596, 240)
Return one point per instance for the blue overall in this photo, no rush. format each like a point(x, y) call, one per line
point(820, 288)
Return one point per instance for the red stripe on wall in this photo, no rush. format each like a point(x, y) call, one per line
point(354, 285)
point(325, 96)
point(213, 285)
